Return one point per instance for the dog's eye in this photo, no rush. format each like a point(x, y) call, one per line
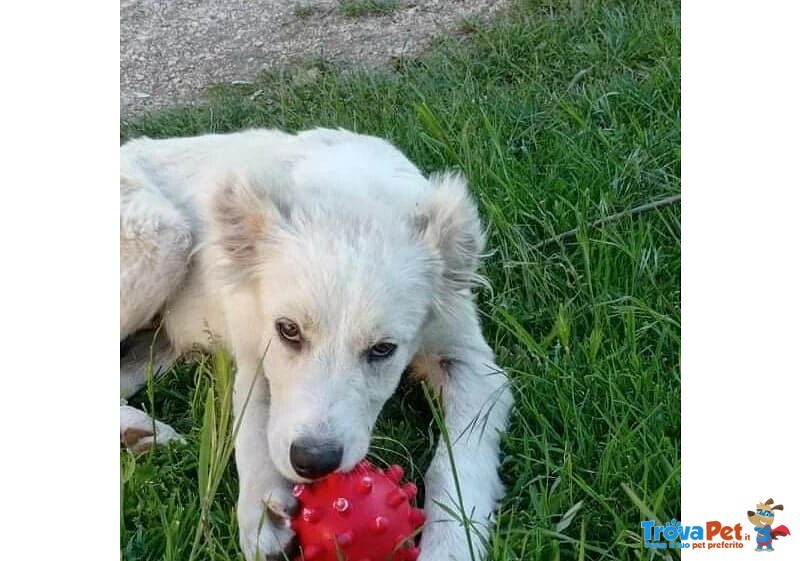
point(288, 330)
point(381, 351)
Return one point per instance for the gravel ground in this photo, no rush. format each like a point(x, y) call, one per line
point(171, 49)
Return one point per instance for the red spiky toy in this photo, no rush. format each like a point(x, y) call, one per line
point(363, 515)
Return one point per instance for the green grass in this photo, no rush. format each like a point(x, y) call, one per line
point(559, 114)
point(303, 10)
point(364, 8)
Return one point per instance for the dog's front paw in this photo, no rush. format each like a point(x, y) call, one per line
point(139, 432)
point(264, 525)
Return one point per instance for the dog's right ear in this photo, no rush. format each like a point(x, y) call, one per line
point(243, 220)
point(750, 513)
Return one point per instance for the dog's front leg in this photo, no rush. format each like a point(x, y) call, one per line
point(265, 498)
point(474, 396)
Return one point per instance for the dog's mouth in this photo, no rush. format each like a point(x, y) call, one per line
point(294, 477)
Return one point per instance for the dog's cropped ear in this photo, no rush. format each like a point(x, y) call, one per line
point(750, 513)
point(449, 224)
point(243, 220)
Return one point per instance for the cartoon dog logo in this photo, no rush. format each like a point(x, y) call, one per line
point(762, 519)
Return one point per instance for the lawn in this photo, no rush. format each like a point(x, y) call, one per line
point(560, 114)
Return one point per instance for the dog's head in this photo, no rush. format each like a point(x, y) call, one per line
point(335, 302)
point(764, 514)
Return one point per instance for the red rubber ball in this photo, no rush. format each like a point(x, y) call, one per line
point(363, 515)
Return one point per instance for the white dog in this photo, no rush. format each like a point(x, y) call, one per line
point(328, 265)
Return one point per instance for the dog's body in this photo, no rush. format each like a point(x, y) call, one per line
point(327, 264)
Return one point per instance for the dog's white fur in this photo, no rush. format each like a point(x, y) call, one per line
point(225, 234)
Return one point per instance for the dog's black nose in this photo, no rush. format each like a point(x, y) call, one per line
point(313, 458)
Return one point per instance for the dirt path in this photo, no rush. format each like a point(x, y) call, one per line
point(171, 49)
